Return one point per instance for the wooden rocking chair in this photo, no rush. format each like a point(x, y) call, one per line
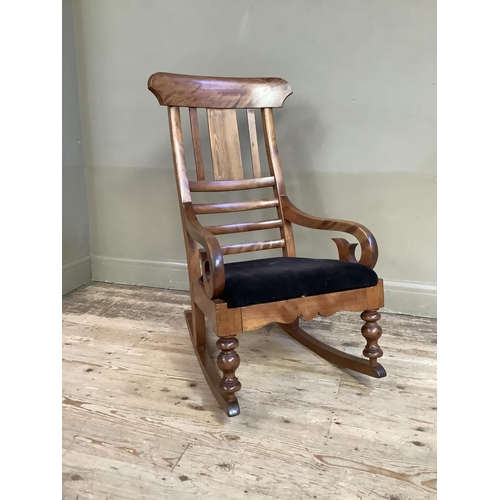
point(242, 296)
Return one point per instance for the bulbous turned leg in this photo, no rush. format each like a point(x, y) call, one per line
point(228, 362)
point(371, 331)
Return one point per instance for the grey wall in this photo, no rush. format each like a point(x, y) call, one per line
point(76, 268)
point(357, 138)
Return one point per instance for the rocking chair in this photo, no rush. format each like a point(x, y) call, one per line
point(242, 296)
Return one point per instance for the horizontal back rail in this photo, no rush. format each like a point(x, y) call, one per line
point(243, 227)
point(236, 206)
point(239, 185)
point(247, 247)
point(252, 247)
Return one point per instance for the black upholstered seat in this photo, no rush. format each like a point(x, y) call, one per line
point(280, 278)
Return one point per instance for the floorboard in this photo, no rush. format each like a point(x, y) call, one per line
point(139, 421)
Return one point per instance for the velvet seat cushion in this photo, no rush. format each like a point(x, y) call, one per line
point(281, 278)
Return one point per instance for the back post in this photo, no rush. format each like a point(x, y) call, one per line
point(279, 187)
point(184, 197)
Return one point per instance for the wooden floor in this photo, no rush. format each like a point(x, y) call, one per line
point(139, 421)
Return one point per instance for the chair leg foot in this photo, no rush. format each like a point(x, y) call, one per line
point(229, 404)
point(228, 361)
point(371, 331)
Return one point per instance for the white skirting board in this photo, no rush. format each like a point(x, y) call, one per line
point(414, 299)
point(160, 274)
point(76, 273)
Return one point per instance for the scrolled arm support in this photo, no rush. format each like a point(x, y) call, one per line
point(213, 267)
point(346, 249)
point(369, 248)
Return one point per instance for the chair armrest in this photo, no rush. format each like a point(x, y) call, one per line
point(213, 267)
point(369, 248)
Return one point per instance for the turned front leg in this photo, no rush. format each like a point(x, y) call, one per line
point(228, 362)
point(371, 331)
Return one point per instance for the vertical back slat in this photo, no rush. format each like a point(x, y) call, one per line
point(225, 144)
point(195, 133)
point(254, 144)
point(177, 142)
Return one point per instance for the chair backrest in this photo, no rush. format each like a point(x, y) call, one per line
point(222, 98)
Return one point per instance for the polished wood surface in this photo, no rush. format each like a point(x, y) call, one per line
point(177, 142)
point(197, 149)
point(222, 97)
point(369, 247)
point(225, 322)
point(234, 206)
point(254, 144)
point(255, 246)
point(243, 227)
point(225, 144)
point(286, 311)
point(214, 283)
point(228, 361)
point(218, 92)
point(214, 265)
point(212, 377)
point(340, 358)
point(273, 160)
point(214, 186)
point(371, 332)
point(139, 420)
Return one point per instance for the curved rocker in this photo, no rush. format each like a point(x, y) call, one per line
point(228, 403)
point(371, 368)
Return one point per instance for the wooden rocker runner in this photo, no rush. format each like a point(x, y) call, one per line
point(242, 296)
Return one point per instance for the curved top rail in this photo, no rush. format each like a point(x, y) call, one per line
point(218, 92)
